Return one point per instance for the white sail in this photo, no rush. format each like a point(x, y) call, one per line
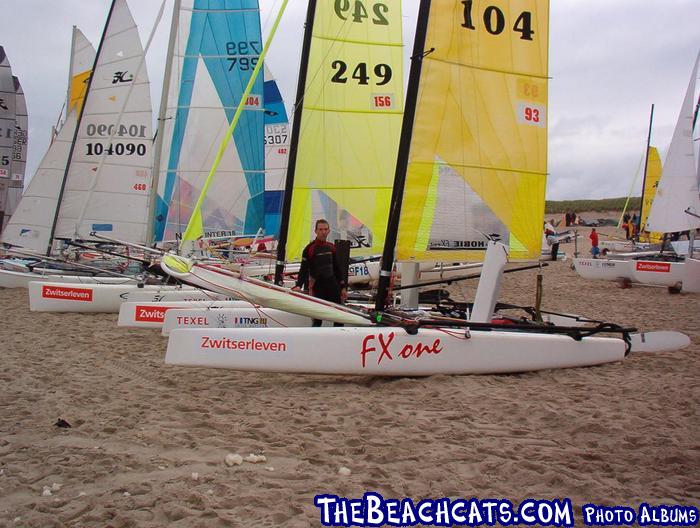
point(19, 151)
point(30, 225)
point(678, 187)
point(7, 130)
point(108, 180)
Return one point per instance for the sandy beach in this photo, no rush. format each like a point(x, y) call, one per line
point(148, 442)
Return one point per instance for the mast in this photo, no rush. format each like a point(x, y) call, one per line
point(403, 152)
point(296, 129)
point(77, 129)
point(644, 179)
point(155, 177)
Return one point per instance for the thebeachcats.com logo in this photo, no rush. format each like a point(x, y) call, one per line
point(374, 510)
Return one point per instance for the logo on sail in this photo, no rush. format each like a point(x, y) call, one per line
point(121, 77)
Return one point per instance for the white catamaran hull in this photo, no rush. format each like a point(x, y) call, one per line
point(135, 314)
point(652, 272)
point(230, 317)
point(16, 279)
point(385, 351)
point(265, 294)
point(106, 298)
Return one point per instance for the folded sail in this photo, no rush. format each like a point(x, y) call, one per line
point(678, 187)
point(30, 225)
point(108, 180)
point(351, 121)
point(217, 46)
point(478, 156)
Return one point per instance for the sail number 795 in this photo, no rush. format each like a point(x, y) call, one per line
point(494, 21)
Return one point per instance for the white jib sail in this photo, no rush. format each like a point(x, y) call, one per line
point(678, 187)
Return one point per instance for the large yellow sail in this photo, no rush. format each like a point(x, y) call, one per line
point(478, 158)
point(351, 121)
point(653, 175)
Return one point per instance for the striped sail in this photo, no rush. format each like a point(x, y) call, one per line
point(678, 187)
point(30, 225)
point(276, 140)
point(478, 154)
point(7, 133)
point(108, 179)
point(350, 125)
point(216, 47)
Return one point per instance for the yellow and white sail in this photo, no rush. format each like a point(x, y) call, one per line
point(478, 156)
point(351, 120)
point(30, 225)
point(649, 192)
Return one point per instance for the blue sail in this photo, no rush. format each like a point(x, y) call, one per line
point(223, 43)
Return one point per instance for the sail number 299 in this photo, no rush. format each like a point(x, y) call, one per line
point(495, 21)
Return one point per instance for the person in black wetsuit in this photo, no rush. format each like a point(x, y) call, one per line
point(320, 271)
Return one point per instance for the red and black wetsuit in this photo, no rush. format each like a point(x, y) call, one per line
point(320, 271)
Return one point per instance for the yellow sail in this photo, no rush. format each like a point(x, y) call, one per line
point(351, 121)
point(478, 157)
point(77, 90)
point(653, 175)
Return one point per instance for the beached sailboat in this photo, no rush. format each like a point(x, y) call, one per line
point(449, 79)
point(675, 208)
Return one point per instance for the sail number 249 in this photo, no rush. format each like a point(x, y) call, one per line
point(357, 12)
point(494, 20)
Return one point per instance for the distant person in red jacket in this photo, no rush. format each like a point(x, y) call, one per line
point(320, 271)
point(595, 250)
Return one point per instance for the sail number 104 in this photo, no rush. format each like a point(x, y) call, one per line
point(494, 21)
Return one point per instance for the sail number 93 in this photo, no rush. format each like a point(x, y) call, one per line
point(495, 21)
point(359, 12)
point(381, 71)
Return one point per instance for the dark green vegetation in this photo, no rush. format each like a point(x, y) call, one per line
point(580, 206)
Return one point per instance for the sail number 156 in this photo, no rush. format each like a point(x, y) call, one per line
point(495, 21)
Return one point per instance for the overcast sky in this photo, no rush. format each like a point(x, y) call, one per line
point(609, 61)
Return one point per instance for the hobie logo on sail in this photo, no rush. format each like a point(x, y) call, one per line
point(151, 314)
point(659, 267)
point(68, 294)
point(122, 77)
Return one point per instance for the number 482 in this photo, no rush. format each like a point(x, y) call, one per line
point(495, 21)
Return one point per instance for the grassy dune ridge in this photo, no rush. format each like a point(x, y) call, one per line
point(580, 206)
